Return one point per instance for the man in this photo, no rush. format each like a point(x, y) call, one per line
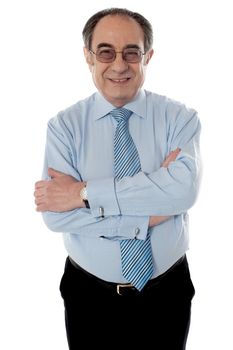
point(121, 170)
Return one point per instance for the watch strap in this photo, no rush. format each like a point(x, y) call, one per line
point(86, 203)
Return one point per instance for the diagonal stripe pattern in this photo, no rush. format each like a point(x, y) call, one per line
point(136, 255)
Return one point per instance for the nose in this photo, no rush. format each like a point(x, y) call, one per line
point(119, 64)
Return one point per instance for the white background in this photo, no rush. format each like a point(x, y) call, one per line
point(42, 72)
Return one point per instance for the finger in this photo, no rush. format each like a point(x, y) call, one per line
point(41, 205)
point(171, 157)
point(54, 173)
point(38, 201)
point(39, 184)
point(176, 151)
point(39, 193)
point(40, 208)
point(41, 187)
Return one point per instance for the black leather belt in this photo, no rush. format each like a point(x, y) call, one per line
point(129, 289)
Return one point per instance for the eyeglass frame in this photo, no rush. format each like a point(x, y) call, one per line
point(116, 52)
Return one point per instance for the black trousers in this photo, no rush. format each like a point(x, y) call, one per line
point(158, 317)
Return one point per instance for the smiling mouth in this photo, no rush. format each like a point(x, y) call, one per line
point(119, 81)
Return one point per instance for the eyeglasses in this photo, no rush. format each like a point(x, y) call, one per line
point(108, 55)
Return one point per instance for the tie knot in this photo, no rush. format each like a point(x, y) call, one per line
point(121, 114)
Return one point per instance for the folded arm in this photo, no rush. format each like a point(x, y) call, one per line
point(62, 192)
point(170, 190)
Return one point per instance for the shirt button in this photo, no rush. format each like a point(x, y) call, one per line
point(137, 231)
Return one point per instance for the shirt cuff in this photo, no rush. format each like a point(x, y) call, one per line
point(127, 227)
point(102, 197)
point(131, 227)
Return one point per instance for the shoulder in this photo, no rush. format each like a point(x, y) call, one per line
point(73, 115)
point(170, 108)
point(168, 103)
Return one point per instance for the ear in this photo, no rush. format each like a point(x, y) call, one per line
point(148, 56)
point(88, 56)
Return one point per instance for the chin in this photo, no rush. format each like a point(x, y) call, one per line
point(119, 100)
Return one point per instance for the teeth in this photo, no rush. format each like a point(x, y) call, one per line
point(119, 80)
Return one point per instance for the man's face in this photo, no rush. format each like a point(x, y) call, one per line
point(118, 81)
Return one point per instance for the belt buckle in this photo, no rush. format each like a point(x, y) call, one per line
point(119, 286)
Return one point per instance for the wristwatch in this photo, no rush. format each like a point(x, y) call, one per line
point(83, 196)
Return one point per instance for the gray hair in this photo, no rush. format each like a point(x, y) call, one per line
point(142, 21)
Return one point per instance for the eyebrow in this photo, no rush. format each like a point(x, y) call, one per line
point(129, 46)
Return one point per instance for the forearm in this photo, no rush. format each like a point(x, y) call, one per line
point(165, 192)
point(169, 190)
point(81, 222)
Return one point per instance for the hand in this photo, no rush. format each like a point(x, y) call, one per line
point(171, 157)
point(156, 220)
point(59, 194)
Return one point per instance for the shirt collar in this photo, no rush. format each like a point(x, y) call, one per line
point(102, 107)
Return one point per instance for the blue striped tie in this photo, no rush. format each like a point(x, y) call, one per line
point(136, 255)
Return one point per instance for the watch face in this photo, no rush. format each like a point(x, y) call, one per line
point(83, 193)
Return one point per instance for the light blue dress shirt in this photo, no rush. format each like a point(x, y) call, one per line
point(80, 143)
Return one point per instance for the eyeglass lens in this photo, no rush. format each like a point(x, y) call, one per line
point(130, 55)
